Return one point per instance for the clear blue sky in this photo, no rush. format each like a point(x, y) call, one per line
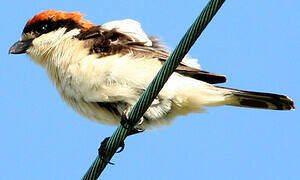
point(255, 43)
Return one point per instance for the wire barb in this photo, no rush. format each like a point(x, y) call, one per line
point(156, 85)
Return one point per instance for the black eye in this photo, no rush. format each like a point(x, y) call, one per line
point(44, 28)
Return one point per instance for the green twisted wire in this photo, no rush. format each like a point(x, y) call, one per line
point(156, 85)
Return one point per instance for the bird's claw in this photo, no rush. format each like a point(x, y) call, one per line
point(102, 150)
point(127, 124)
point(122, 146)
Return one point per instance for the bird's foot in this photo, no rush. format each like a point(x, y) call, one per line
point(128, 124)
point(102, 150)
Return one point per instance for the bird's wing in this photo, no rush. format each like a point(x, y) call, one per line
point(126, 37)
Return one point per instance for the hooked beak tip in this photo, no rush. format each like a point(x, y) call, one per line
point(20, 47)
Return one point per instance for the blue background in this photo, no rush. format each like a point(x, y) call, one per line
point(255, 43)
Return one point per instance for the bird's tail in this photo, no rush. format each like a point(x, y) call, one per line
point(259, 100)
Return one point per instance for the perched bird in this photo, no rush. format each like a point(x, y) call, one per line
point(102, 70)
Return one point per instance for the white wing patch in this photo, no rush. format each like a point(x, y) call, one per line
point(191, 62)
point(131, 28)
point(134, 30)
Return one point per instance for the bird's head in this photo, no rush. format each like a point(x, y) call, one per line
point(46, 30)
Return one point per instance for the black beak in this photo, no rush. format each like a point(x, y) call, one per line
point(20, 47)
